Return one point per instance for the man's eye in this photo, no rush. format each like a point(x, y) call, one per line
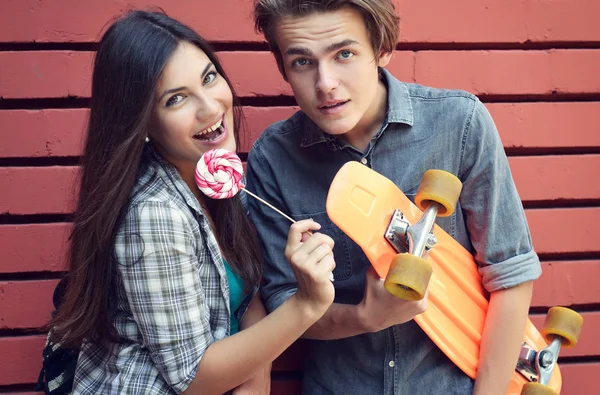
point(346, 54)
point(175, 99)
point(300, 62)
point(210, 77)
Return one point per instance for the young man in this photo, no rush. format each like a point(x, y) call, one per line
point(333, 54)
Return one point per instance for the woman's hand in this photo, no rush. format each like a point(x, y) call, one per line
point(311, 258)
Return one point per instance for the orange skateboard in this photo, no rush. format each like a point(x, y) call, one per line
point(413, 254)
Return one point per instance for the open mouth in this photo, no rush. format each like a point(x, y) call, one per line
point(211, 133)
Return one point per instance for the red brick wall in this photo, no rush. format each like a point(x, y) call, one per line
point(533, 62)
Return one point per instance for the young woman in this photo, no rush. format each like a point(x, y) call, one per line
point(161, 295)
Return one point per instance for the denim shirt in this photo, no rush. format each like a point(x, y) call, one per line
point(292, 165)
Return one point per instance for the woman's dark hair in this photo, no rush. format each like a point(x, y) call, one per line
point(130, 59)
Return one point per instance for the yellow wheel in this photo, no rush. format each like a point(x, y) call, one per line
point(564, 323)
point(440, 187)
point(408, 277)
point(537, 389)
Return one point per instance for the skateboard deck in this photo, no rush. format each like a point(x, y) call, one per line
point(361, 203)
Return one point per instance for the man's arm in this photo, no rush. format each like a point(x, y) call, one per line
point(500, 236)
point(502, 338)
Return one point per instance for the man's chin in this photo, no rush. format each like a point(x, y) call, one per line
point(334, 128)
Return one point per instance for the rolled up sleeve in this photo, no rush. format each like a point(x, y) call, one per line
point(158, 264)
point(492, 207)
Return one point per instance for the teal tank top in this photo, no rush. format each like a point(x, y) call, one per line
point(236, 296)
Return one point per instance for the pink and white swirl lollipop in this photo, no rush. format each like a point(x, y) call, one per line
point(219, 174)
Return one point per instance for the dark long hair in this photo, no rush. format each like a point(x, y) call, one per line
point(130, 59)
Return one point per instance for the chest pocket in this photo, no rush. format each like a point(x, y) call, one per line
point(341, 251)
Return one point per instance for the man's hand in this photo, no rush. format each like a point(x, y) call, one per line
point(379, 309)
point(259, 384)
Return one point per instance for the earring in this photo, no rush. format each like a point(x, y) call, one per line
point(147, 140)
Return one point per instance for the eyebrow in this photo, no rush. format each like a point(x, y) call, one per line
point(307, 52)
point(180, 88)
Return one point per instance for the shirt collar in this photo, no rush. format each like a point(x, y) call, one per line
point(400, 110)
point(172, 174)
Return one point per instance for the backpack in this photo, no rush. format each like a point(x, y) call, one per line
point(58, 365)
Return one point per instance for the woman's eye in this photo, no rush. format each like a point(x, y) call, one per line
point(346, 54)
point(300, 62)
point(210, 77)
point(175, 99)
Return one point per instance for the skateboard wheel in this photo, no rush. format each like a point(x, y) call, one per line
point(564, 323)
point(537, 389)
point(440, 187)
point(408, 277)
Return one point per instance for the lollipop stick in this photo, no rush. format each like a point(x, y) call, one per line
point(271, 206)
point(280, 212)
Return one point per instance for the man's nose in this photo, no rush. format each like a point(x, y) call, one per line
point(326, 79)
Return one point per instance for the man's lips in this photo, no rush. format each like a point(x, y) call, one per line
point(331, 104)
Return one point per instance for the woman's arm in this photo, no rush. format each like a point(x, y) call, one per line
point(260, 382)
point(229, 362)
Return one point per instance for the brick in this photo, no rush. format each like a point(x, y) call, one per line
point(565, 231)
point(547, 125)
point(26, 304)
point(42, 133)
point(42, 190)
point(44, 74)
point(511, 72)
point(21, 359)
point(555, 177)
point(580, 378)
point(490, 21)
point(33, 248)
point(567, 283)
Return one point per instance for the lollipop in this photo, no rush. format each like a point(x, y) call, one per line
point(219, 174)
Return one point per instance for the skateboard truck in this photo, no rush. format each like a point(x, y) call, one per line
point(537, 366)
point(415, 239)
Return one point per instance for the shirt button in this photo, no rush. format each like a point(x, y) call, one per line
point(392, 364)
point(363, 161)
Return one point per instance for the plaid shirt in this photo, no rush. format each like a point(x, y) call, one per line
point(171, 296)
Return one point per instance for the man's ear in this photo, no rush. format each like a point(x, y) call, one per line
point(384, 59)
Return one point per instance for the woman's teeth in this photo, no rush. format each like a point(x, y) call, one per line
point(212, 132)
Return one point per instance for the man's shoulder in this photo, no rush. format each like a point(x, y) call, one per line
point(290, 125)
point(422, 92)
point(443, 105)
